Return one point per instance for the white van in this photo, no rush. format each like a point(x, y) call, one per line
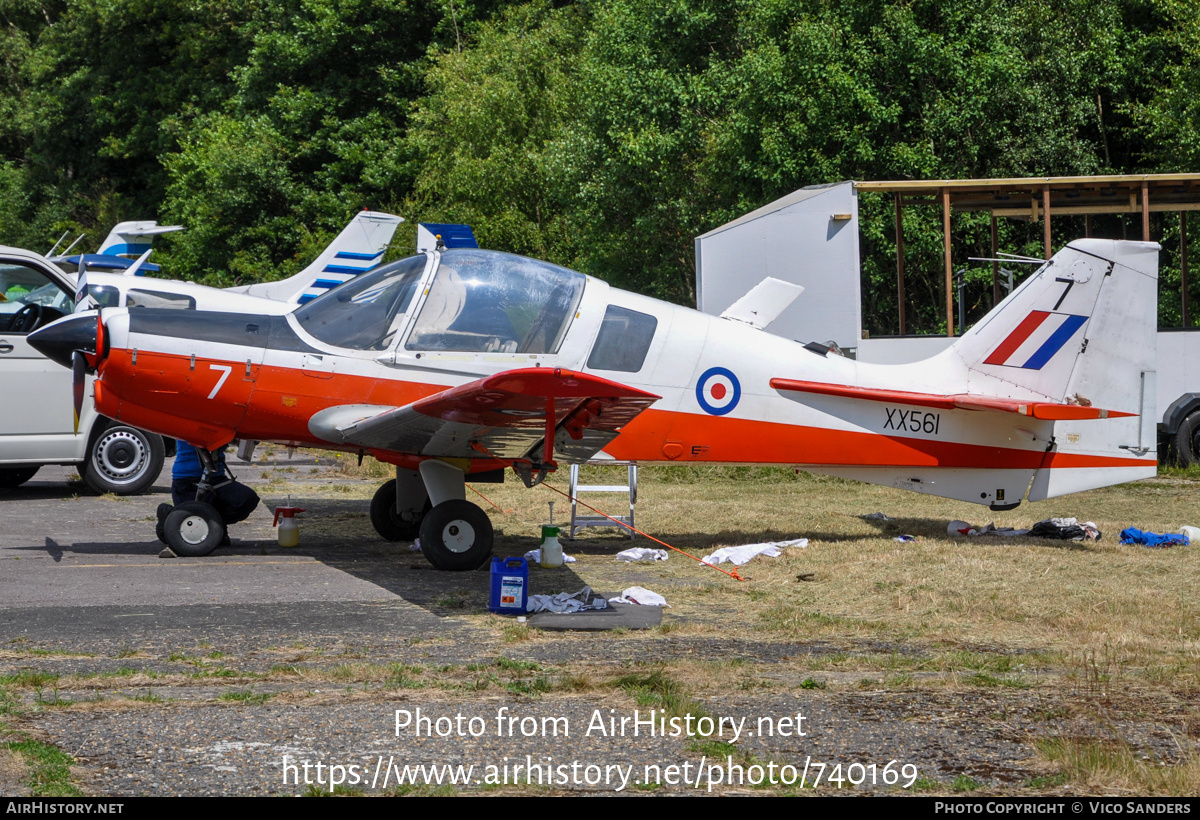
point(36, 409)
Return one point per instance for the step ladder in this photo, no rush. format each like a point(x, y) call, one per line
point(579, 522)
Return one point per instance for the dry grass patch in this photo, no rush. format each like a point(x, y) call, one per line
point(1097, 764)
point(14, 773)
point(1133, 606)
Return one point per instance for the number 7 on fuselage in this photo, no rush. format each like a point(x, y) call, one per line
point(456, 365)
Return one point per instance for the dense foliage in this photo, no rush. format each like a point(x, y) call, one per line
point(601, 135)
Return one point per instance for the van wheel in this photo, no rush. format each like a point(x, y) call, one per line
point(123, 460)
point(1187, 440)
point(15, 476)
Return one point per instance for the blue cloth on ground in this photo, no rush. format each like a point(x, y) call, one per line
point(1152, 539)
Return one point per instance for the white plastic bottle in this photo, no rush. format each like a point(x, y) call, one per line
point(289, 530)
point(552, 553)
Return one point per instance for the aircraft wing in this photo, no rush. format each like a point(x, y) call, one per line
point(506, 416)
point(959, 401)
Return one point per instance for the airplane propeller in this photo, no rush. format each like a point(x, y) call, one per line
point(78, 382)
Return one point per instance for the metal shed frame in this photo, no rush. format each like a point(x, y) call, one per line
point(1035, 198)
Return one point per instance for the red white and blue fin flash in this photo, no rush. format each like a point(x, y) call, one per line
point(1036, 340)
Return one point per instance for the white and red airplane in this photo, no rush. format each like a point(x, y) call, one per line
point(454, 365)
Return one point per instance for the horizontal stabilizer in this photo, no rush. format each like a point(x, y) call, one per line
point(505, 416)
point(127, 237)
point(959, 401)
point(763, 304)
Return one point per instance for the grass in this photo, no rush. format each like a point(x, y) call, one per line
point(965, 783)
point(29, 678)
point(1091, 764)
point(1008, 595)
point(48, 767)
point(247, 698)
point(659, 690)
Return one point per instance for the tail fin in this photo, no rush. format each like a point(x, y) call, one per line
point(133, 238)
point(355, 250)
point(1081, 330)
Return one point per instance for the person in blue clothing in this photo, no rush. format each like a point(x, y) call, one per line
point(232, 500)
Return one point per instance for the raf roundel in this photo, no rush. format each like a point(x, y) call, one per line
point(718, 391)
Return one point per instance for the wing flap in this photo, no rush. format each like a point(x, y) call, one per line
point(958, 401)
point(505, 416)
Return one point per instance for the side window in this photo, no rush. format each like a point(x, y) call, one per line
point(30, 298)
point(159, 299)
point(105, 295)
point(624, 340)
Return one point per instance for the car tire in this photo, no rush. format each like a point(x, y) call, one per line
point(456, 535)
point(15, 476)
point(193, 529)
point(123, 460)
point(389, 522)
point(1187, 440)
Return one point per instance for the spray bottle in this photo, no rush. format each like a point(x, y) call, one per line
point(289, 530)
point(552, 553)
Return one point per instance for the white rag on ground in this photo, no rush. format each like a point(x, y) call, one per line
point(642, 596)
point(565, 602)
point(535, 557)
point(740, 555)
point(642, 554)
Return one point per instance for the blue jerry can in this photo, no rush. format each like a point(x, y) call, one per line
point(510, 586)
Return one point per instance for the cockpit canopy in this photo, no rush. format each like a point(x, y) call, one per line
point(479, 301)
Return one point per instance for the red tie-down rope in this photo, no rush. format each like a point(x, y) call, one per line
point(734, 574)
point(488, 500)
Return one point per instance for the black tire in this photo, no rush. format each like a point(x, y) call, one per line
point(194, 529)
point(123, 460)
point(160, 527)
point(15, 476)
point(1187, 440)
point(456, 535)
point(389, 522)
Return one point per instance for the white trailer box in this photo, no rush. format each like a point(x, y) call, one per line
point(808, 238)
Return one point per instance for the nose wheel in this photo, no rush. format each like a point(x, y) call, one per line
point(456, 535)
point(193, 529)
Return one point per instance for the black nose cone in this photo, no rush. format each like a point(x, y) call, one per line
point(58, 340)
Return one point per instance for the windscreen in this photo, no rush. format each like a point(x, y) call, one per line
point(491, 302)
point(368, 311)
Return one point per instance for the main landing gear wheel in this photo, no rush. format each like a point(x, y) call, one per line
point(390, 521)
point(456, 535)
point(193, 529)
